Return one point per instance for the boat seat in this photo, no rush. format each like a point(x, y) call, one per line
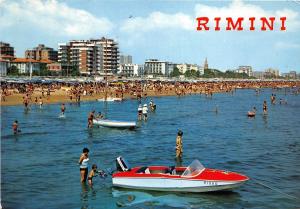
point(142, 169)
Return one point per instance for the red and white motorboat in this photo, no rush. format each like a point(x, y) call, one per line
point(194, 178)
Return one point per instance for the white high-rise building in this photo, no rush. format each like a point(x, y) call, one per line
point(156, 67)
point(129, 70)
point(110, 55)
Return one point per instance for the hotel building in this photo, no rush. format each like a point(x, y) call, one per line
point(6, 49)
point(41, 52)
point(85, 55)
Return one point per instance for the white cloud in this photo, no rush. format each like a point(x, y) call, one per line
point(158, 20)
point(238, 8)
point(53, 17)
point(286, 45)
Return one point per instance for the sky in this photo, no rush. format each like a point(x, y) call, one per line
point(160, 29)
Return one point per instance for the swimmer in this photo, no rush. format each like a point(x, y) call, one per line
point(15, 127)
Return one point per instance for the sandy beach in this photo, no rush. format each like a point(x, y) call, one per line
point(63, 93)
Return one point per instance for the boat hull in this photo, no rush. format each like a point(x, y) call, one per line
point(110, 99)
point(175, 185)
point(115, 124)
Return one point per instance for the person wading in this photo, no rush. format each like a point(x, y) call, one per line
point(179, 150)
point(83, 162)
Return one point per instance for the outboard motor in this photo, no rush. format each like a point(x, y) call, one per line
point(121, 164)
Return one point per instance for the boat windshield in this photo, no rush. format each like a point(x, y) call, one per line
point(195, 168)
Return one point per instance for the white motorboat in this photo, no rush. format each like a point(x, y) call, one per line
point(194, 178)
point(110, 99)
point(115, 123)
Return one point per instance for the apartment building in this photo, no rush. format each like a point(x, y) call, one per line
point(245, 69)
point(129, 70)
point(156, 67)
point(187, 67)
point(125, 59)
point(41, 52)
point(110, 55)
point(82, 54)
point(6, 49)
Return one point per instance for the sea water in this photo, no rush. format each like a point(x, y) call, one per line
point(39, 166)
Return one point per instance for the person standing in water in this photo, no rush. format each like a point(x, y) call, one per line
point(41, 102)
point(63, 109)
point(15, 127)
point(92, 174)
point(83, 162)
point(265, 107)
point(179, 149)
point(140, 112)
point(90, 119)
point(145, 112)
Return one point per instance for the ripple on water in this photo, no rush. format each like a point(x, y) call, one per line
point(43, 158)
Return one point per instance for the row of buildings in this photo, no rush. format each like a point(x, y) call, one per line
point(267, 73)
point(90, 57)
point(102, 57)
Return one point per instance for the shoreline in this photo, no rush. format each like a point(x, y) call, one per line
point(67, 94)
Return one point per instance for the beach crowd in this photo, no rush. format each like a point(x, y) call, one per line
point(55, 92)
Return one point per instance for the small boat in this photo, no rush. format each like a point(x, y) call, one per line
point(194, 178)
point(115, 123)
point(251, 114)
point(110, 99)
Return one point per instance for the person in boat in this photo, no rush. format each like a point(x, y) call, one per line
point(99, 116)
point(83, 162)
point(91, 118)
point(15, 127)
point(265, 107)
point(63, 109)
point(140, 112)
point(145, 112)
point(179, 149)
